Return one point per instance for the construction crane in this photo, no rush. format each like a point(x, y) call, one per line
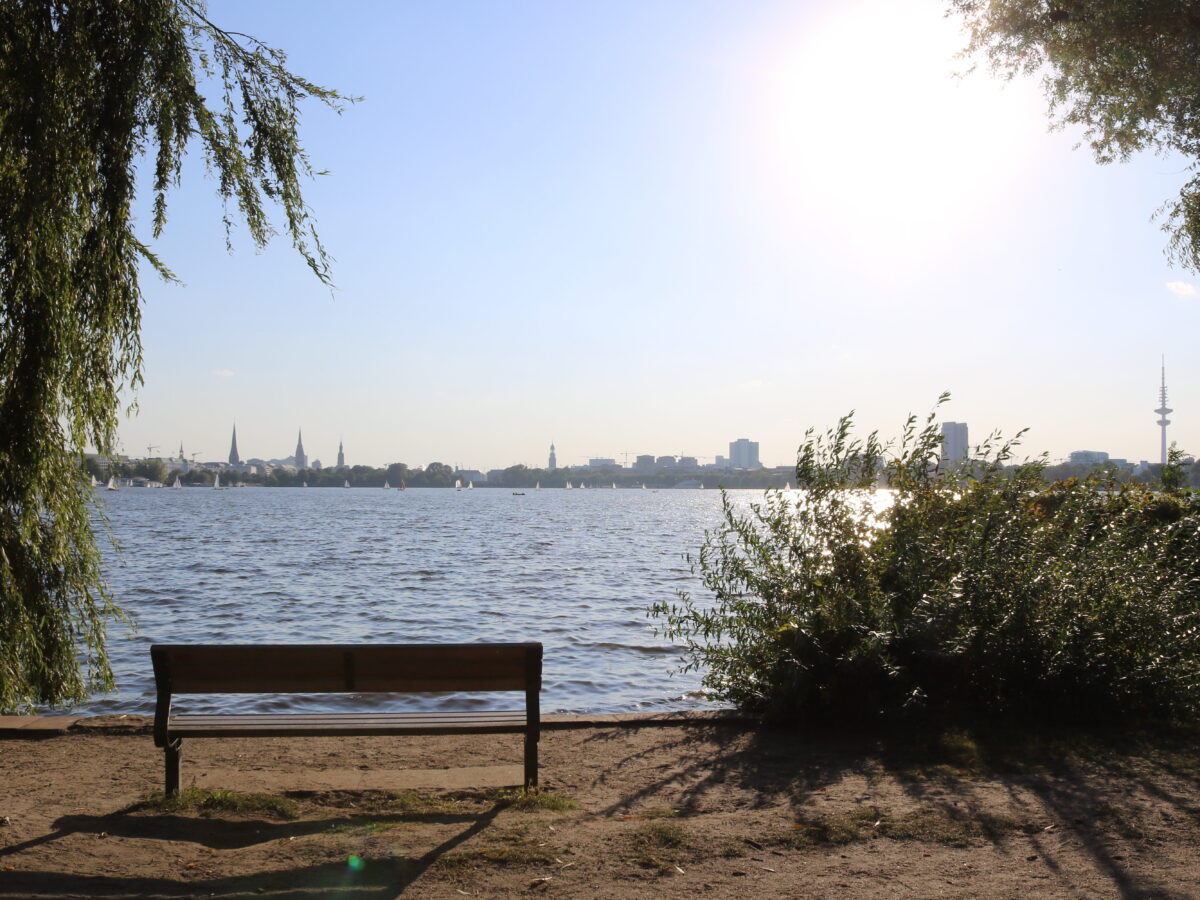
point(150, 448)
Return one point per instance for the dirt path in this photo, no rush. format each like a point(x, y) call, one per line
point(724, 811)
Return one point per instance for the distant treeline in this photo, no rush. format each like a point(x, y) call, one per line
point(522, 477)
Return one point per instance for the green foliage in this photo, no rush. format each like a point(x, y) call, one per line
point(87, 88)
point(206, 802)
point(1123, 70)
point(990, 592)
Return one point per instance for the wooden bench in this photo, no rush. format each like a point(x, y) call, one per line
point(344, 668)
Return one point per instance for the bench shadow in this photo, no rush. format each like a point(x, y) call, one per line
point(365, 878)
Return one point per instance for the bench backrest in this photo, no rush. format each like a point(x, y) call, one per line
point(345, 668)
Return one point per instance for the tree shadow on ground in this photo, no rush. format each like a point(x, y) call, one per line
point(1087, 783)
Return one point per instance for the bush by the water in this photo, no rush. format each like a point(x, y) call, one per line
point(981, 590)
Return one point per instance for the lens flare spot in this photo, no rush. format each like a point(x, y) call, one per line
point(355, 863)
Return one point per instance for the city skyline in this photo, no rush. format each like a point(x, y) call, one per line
point(546, 227)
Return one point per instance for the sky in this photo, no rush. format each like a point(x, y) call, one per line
point(656, 227)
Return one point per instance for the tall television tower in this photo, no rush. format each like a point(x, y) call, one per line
point(1163, 411)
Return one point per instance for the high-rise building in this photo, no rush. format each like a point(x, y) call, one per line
point(553, 460)
point(1163, 412)
point(644, 463)
point(955, 444)
point(234, 459)
point(301, 456)
point(743, 454)
point(341, 456)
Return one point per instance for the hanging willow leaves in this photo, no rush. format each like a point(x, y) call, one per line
point(88, 89)
point(1125, 71)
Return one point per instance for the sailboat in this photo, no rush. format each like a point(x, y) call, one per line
point(112, 484)
point(568, 485)
point(94, 481)
point(386, 486)
point(346, 483)
point(787, 485)
point(614, 485)
point(458, 484)
point(216, 481)
point(643, 485)
point(538, 486)
point(304, 484)
point(702, 485)
point(470, 485)
point(402, 486)
point(177, 485)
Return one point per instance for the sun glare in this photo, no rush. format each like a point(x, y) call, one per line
point(873, 136)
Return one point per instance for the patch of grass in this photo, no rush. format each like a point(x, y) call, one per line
point(207, 802)
point(532, 799)
point(733, 850)
point(359, 828)
point(928, 824)
point(660, 834)
point(526, 854)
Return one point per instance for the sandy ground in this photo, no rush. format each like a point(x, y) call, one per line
point(667, 811)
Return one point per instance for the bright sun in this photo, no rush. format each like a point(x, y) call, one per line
point(871, 133)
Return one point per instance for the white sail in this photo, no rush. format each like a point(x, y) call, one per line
point(177, 485)
point(643, 485)
point(538, 486)
point(702, 485)
point(304, 484)
point(112, 484)
point(386, 486)
point(346, 483)
point(470, 485)
point(458, 484)
point(94, 481)
point(217, 480)
point(614, 485)
point(568, 485)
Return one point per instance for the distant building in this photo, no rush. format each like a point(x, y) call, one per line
point(470, 475)
point(601, 462)
point(234, 459)
point(644, 464)
point(720, 462)
point(665, 462)
point(553, 460)
point(341, 456)
point(743, 454)
point(301, 458)
point(690, 463)
point(1088, 457)
point(955, 444)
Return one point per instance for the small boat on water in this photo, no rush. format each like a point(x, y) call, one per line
point(614, 486)
point(216, 481)
point(304, 484)
point(112, 484)
point(95, 483)
point(402, 486)
point(568, 486)
point(386, 486)
point(458, 484)
point(470, 485)
point(346, 483)
point(177, 485)
point(538, 486)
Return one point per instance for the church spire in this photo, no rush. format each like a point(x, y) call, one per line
point(341, 456)
point(234, 459)
point(301, 457)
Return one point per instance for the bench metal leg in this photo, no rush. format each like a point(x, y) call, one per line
point(171, 753)
point(531, 762)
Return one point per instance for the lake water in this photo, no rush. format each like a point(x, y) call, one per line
point(572, 569)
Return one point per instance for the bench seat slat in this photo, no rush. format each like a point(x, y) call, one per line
point(310, 724)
